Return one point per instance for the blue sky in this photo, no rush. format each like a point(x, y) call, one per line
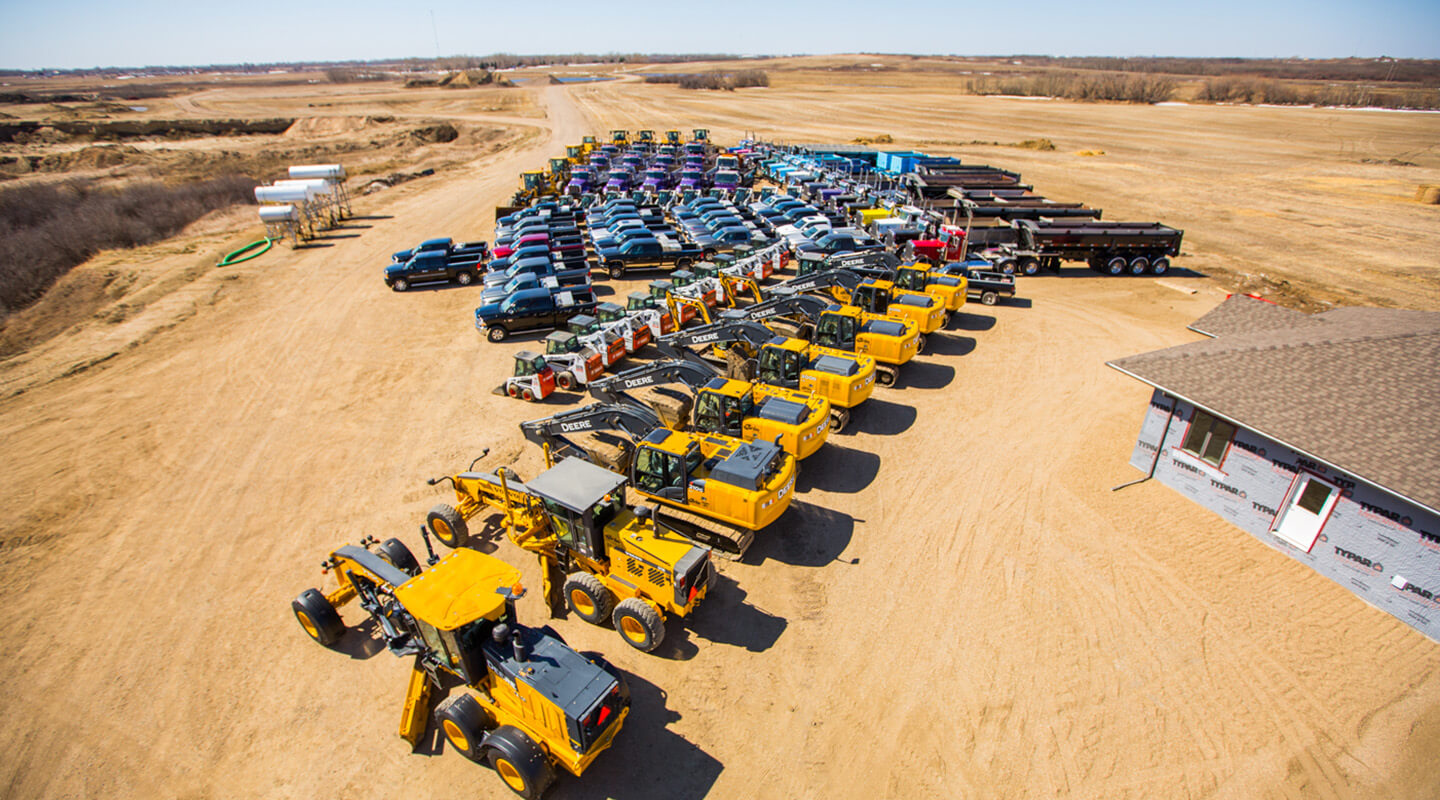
point(68, 34)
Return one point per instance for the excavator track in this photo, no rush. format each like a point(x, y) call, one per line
point(727, 542)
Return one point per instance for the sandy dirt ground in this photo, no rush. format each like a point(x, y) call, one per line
point(956, 605)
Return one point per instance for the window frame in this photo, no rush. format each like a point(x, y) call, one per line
point(1209, 432)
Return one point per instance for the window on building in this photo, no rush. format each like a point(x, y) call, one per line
point(1208, 437)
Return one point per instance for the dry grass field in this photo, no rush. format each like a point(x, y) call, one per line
point(957, 605)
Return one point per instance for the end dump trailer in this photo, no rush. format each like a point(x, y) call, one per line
point(1111, 247)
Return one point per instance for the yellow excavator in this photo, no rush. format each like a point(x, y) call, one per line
point(892, 342)
point(599, 557)
point(754, 352)
point(927, 278)
point(714, 489)
point(797, 421)
point(526, 703)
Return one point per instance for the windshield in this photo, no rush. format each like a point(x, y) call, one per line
point(508, 306)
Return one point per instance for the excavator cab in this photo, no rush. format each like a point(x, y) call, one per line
point(722, 406)
point(911, 279)
point(662, 470)
point(836, 330)
point(781, 365)
point(872, 298)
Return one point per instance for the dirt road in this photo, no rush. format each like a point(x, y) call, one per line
point(957, 605)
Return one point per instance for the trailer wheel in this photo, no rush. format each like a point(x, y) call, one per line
point(400, 285)
point(565, 380)
point(989, 298)
point(1116, 265)
point(464, 278)
point(447, 525)
point(518, 762)
point(1007, 267)
point(462, 720)
point(588, 597)
point(1030, 266)
point(616, 270)
point(496, 333)
point(638, 624)
point(318, 617)
point(1138, 265)
point(1160, 266)
point(398, 556)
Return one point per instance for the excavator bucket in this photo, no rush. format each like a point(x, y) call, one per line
point(417, 706)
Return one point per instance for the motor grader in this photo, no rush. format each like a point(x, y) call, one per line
point(714, 489)
point(755, 352)
point(797, 421)
point(525, 703)
point(598, 557)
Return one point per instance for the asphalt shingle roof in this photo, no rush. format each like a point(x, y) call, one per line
point(1356, 388)
point(1243, 314)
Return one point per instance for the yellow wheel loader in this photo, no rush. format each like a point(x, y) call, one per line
point(526, 704)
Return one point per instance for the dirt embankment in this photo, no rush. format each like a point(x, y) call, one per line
point(24, 132)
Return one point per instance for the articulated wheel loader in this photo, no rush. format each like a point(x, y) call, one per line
point(755, 352)
point(608, 561)
point(522, 701)
point(713, 489)
point(797, 421)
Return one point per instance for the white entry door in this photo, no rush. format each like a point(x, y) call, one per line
point(1306, 510)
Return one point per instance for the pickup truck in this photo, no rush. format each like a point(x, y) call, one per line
point(525, 276)
point(533, 310)
point(647, 254)
point(984, 282)
point(435, 266)
point(447, 245)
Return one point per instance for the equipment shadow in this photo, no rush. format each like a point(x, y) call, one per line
point(373, 216)
point(675, 767)
point(922, 375)
point(948, 345)
point(965, 321)
point(361, 641)
point(838, 469)
point(806, 535)
point(725, 618)
point(882, 417)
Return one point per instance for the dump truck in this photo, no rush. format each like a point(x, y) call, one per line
point(525, 703)
point(599, 557)
point(797, 421)
point(714, 489)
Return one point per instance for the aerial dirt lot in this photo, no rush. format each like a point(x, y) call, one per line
point(956, 605)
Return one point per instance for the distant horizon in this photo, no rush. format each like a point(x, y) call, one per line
point(667, 57)
point(84, 35)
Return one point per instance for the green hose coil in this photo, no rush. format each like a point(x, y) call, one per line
point(245, 253)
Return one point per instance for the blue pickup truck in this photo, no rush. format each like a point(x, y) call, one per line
point(480, 249)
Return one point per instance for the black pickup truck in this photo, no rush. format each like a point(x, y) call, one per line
point(433, 266)
point(647, 254)
point(479, 249)
point(982, 280)
point(533, 310)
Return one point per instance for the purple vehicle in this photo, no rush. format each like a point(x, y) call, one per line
point(692, 179)
point(619, 180)
point(656, 180)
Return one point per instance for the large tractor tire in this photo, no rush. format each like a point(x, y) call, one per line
point(638, 624)
point(448, 526)
point(463, 722)
point(398, 556)
point(318, 617)
point(588, 597)
point(519, 762)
